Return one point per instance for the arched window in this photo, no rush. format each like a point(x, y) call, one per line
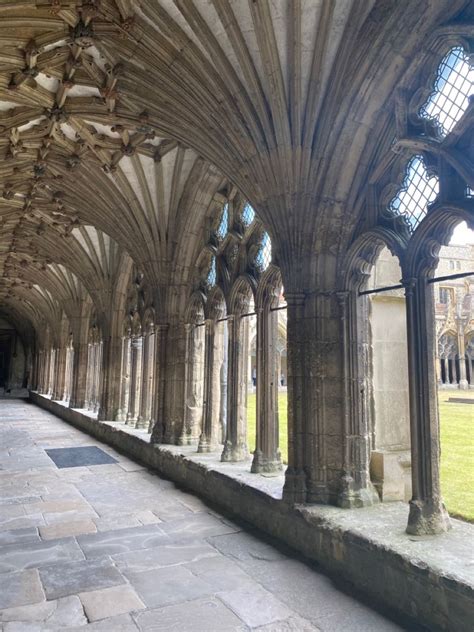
point(248, 215)
point(212, 274)
point(264, 256)
point(452, 88)
point(418, 190)
point(223, 227)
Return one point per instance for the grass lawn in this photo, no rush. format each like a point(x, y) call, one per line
point(457, 448)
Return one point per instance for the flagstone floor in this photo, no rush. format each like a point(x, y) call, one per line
point(114, 547)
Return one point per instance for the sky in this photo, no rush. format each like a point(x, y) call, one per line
point(462, 235)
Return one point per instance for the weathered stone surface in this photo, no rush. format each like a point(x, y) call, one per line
point(18, 589)
point(61, 613)
point(165, 586)
point(19, 536)
point(166, 555)
point(293, 624)
point(201, 615)
point(108, 602)
point(121, 540)
point(64, 529)
point(20, 556)
point(62, 579)
point(255, 606)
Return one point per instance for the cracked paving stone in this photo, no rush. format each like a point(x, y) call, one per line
point(60, 580)
point(62, 613)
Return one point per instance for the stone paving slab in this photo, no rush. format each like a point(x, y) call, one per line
point(60, 579)
point(20, 556)
point(108, 602)
point(20, 588)
point(201, 615)
point(160, 556)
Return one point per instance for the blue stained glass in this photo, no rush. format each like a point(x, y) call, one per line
point(212, 274)
point(264, 256)
point(248, 215)
point(416, 193)
point(453, 86)
point(224, 223)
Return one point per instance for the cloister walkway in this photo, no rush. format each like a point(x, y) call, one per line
point(90, 540)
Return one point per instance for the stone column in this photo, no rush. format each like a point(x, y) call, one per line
point(60, 374)
point(135, 381)
point(125, 379)
point(427, 512)
point(463, 383)
point(158, 424)
point(267, 456)
point(79, 376)
point(235, 446)
point(147, 382)
point(294, 490)
point(193, 413)
point(357, 489)
point(209, 439)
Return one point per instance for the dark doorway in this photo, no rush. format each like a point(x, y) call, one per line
point(5, 357)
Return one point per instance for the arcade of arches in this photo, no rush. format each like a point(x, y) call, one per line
point(193, 196)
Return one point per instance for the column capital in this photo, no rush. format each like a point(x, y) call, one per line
point(295, 299)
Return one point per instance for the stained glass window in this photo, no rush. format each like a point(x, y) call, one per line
point(212, 274)
point(416, 193)
point(248, 215)
point(264, 256)
point(224, 223)
point(453, 86)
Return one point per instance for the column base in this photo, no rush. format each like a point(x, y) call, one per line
point(142, 423)
point(264, 465)
point(427, 518)
point(464, 385)
point(352, 498)
point(235, 454)
point(188, 440)
point(207, 445)
point(294, 489)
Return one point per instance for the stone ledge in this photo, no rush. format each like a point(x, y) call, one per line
point(429, 579)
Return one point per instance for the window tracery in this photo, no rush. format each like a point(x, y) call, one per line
point(452, 88)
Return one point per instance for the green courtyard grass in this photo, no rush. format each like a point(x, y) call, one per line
point(457, 448)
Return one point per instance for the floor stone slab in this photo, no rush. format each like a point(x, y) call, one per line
point(202, 615)
point(121, 541)
point(21, 556)
point(64, 529)
point(60, 580)
point(19, 536)
point(165, 586)
point(18, 589)
point(61, 613)
point(166, 555)
point(256, 606)
point(108, 602)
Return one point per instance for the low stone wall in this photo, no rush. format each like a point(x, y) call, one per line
point(433, 585)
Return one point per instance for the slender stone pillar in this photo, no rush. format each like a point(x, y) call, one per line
point(125, 379)
point(193, 396)
point(357, 489)
point(294, 490)
point(209, 439)
point(235, 446)
point(267, 456)
point(79, 376)
point(144, 418)
point(463, 383)
point(136, 380)
point(427, 512)
point(158, 425)
point(59, 374)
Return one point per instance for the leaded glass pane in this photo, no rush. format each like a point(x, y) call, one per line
point(224, 223)
point(416, 193)
point(264, 256)
point(248, 215)
point(453, 86)
point(212, 274)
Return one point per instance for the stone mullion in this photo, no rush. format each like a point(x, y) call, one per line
point(209, 437)
point(235, 446)
point(427, 512)
point(294, 490)
point(463, 383)
point(267, 455)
